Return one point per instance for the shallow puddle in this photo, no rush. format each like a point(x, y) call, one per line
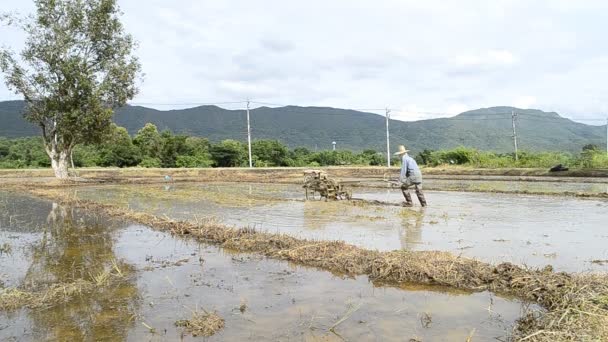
point(164, 279)
point(569, 233)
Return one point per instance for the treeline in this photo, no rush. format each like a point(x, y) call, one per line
point(151, 148)
point(591, 156)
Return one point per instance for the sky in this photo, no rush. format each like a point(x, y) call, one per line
point(421, 59)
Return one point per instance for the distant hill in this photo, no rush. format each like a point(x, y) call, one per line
point(317, 127)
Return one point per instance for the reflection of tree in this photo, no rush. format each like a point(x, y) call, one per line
point(411, 233)
point(78, 246)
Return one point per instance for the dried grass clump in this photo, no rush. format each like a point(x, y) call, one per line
point(15, 298)
point(576, 311)
point(12, 298)
point(576, 306)
point(202, 323)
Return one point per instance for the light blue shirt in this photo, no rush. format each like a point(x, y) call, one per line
point(410, 170)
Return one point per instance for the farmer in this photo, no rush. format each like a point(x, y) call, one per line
point(410, 176)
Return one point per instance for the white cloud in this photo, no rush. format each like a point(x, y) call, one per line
point(443, 57)
point(525, 101)
point(490, 58)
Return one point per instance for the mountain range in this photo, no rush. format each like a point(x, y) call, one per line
point(317, 127)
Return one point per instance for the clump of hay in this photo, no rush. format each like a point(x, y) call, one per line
point(202, 323)
point(13, 298)
point(575, 306)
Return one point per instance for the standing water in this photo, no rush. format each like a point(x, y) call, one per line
point(142, 281)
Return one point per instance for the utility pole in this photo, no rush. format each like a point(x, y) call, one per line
point(249, 135)
point(513, 117)
point(388, 146)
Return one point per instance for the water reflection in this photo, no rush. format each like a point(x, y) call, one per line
point(78, 246)
point(411, 232)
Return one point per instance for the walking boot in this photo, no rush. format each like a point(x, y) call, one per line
point(408, 200)
point(421, 198)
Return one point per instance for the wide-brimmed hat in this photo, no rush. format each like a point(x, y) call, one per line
point(402, 150)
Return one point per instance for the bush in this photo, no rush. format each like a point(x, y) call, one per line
point(228, 153)
point(472, 157)
point(150, 162)
point(592, 158)
point(269, 153)
point(193, 161)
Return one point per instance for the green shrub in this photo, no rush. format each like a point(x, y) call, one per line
point(150, 162)
point(193, 161)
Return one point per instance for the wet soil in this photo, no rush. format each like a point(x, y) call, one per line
point(167, 278)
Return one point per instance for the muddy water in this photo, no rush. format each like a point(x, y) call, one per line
point(165, 279)
point(517, 186)
point(565, 232)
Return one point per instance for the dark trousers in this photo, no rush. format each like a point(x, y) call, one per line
point(406, 193)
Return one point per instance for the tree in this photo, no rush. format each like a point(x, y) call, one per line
point(172, 146)
point(228, 153)
point(149, 141)
point(425, 157)
point(370, 157)
point(76, 67)
point(591, 147)
point(270, 152)
point(118, 149)
point(198, 146)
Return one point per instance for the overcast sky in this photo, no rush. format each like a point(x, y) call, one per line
point(416, 57)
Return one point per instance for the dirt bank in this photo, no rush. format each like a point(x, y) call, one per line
point(285, 173)
point(577, 305)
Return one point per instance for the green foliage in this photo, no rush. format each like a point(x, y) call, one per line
point(118, 149)
point(150, 162)
point(424, 157)
point(589, 158)
point(172, 146)
point(193, 161)
point(87, 155)
point(592, 158)
point(170, 150)
point(23, 152)
point(370, 157)
point(76, 66)
point(269, 153)
point(229, 153)
point(591, 147)
point(197, 146)
point(149, 141)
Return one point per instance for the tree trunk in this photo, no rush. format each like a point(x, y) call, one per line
point(59, 163)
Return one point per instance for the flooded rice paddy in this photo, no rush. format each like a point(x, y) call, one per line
point(157, 279)
point(568, 233)
point(553, 186)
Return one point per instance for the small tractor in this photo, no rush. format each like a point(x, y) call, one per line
point(317, 181)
